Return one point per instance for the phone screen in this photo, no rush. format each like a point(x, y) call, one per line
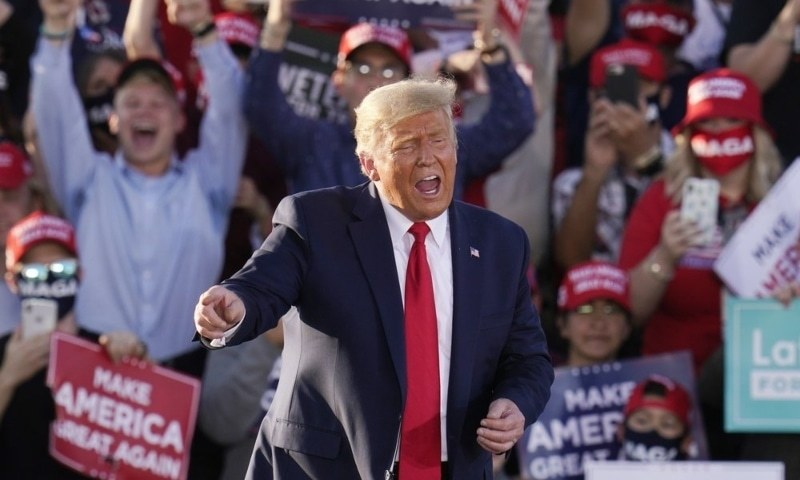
point(622, 84)
point(700, 204)
point(39, 316)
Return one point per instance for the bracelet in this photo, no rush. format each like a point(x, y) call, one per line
point(53, 35)
point(645, 162)
point(658, 271)
point(204, 30)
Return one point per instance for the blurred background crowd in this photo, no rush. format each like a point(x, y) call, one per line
point(144, 145)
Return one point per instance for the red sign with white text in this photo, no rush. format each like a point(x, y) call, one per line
point(132, 420)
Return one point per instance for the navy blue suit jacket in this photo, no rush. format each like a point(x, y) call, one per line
point(337, 410)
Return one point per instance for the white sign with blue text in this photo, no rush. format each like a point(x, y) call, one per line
point(762, 365)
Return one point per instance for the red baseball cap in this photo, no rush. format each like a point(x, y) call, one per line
point(238, 28)
point(647, 59)
point(594, 280)
point(648, 393)
point(361, 34)
point(15, 168)
point(165, 73)
point(721, 93)
point(34, 229)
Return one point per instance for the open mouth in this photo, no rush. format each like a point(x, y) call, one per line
point(144, 135)
point(429, 185)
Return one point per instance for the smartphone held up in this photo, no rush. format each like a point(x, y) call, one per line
point(700, 204)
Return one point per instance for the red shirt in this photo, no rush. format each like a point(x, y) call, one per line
point(688, 317)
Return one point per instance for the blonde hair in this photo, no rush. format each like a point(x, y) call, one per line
point(385, 107)
point(765, 168)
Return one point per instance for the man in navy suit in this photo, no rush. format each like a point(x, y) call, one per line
point(339, 255)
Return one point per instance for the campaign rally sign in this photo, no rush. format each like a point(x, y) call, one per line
point(580, 421)
point(132, 420)
point(621, 470)
point(762, 365)
point(304, 77)
point(437, 14)
point(764, 253)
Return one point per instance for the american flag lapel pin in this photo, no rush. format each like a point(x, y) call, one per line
point(474, 252)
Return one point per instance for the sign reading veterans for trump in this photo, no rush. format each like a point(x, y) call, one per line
point(132, 420)
point(581, 420)
point(305, 75)
point(404, 13)
point(762, 365)
point(764, 253)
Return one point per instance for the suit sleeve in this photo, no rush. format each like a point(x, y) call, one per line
point(270, 282)
point(525, 372)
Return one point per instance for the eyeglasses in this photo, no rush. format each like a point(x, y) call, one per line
point(364, 70)
point(606, 310)
point(60, 269)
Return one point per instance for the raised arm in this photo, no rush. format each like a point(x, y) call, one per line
point(576, 223)
point(223, 131)
point(139, 33)
point(510, 117)
point(57, 109)
point(765, 60)
point(586, 23)
point(286, 135)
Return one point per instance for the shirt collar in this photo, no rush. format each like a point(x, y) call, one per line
point(175, 166)
point(399, 224)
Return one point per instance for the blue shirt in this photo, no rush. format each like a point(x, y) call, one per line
point(149, 246)
point(317, 153)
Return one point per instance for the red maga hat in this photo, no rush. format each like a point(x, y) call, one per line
point(15, 168)
point(34, 229)
point(721, 93)
point(594, 280)
point(674, 399)
point(238, 28)
point(361, 34)
point(647, 59)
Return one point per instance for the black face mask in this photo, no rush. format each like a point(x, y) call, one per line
point(651, 447)
point(98, 109)
point(61, 290)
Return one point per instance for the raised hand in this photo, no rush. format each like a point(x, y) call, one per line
point(190, 14)
point(24, 357)
point(123, 344)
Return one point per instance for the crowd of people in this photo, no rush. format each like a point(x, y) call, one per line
point(145, 146)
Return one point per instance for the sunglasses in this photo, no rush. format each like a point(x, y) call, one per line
point(61, 269)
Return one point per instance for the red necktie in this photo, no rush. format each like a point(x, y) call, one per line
point(420, 437)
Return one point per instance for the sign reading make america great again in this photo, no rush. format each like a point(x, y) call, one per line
point(132, 420)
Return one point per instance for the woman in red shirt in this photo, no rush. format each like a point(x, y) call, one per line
point(675, 294)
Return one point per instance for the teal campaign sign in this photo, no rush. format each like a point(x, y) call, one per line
point(762, 365)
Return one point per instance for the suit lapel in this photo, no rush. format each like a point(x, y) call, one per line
point(370, 235)
point(467, 278)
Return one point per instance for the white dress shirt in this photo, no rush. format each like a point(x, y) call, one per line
point(437, 246)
